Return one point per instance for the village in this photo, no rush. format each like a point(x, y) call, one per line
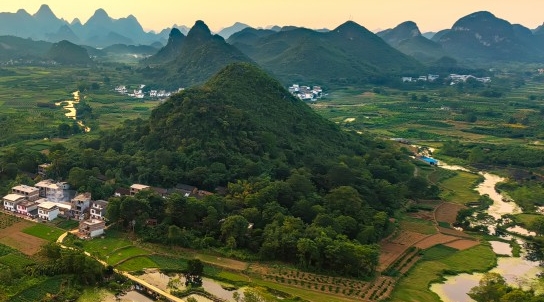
point(453, 78)
point(306, 93)
point(48, 200)
point(140, 94)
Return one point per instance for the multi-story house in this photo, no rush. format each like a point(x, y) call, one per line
point(11, 201)
point(48, 211)
point(53, 191)
point(98, 209)
point(80, 204)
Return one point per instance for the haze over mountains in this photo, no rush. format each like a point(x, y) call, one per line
point(348, 54)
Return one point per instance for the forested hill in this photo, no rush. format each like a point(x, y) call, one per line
point(193, 59)
point(240, 123)
point(299, 189)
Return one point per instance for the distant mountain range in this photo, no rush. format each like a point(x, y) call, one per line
point(347, 54)
point(99, 31)
point(479, 37)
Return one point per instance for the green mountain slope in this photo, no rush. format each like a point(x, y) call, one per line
point(348, 54)
point(201, 55)
point(67, 53)
point(239, 114)
point(240, 123)
point(13, 48)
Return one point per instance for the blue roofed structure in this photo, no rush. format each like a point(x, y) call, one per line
point(431, 161)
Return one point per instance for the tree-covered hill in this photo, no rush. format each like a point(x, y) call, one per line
point(68, 53)
point(14, 48)
point(298, 188)
point(243, 121)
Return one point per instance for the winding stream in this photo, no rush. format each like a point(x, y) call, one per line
point(516, 271)
point(71, 110)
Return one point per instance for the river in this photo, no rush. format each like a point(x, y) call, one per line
point(72, 110)
point(516, 270)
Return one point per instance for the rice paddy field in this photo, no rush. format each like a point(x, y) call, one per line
point(441, 113)
point(29, 116)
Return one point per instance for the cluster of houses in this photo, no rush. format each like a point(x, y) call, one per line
point(457, 78)
point(454, 78)
point(181, 189)
point(423, 78)
point(306, 93)
point(140, 94)
point(47, 200)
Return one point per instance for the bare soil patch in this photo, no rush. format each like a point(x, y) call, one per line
point(434, 240)
point(424, 215)
point(13, 236)
point(392, 249)
point(462, 244)
point(453, 232)
point(447, 212)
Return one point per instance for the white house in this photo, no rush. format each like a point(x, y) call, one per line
point(48, 210)
point(11, 201)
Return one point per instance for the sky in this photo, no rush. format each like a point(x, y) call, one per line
point(430, 15)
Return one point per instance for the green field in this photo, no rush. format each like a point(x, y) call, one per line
point(415, 285)
point(43, 231)
point(103, 247)
point(417, 225)
point(138, 264)
point(124, 253)
point(460, 188)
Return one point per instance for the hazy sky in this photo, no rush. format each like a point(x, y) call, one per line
point(430, 15)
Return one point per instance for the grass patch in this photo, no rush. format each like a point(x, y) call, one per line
point(444, 224)
point(417, 225)
point(455, 188)
point(169, 263)
point(102, 247)
point(525, 220)
point(137, 264)
point(93, 295)
point(68, 224)
point(415, 286)
point(124, 253)
point(43, 231)
point(438, 252)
